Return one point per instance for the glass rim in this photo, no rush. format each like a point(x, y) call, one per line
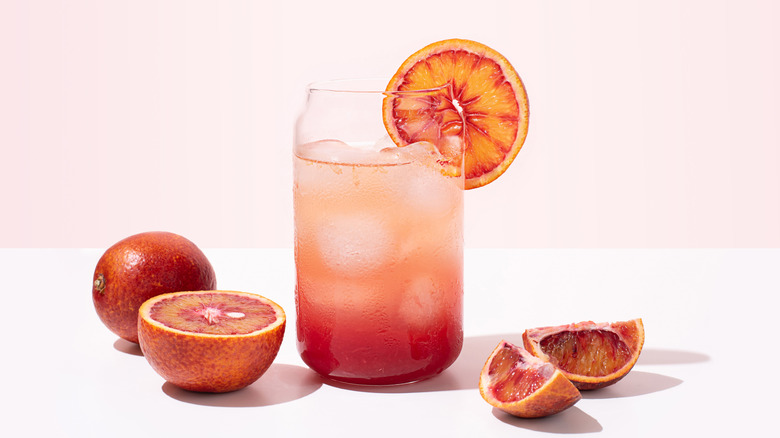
point(374, 85)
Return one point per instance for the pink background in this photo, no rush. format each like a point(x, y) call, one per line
point(653, 124)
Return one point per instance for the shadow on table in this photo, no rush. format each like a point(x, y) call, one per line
point(634, 384)
point(572, 420)
point(656, 356)
point(127, 347)
point(282, 383)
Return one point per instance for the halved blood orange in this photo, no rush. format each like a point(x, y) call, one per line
point(591, 355)
point(523, 385)
point(210, 341)
point(478, 105)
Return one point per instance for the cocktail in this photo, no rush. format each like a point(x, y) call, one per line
point(379, 176)
point(378, 243)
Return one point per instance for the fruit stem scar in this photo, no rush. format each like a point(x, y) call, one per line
point(100, 284)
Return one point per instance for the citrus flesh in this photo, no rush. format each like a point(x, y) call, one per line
point(214, 313)
point(210, 341)
point(476, 112)
point(591, 355)
point(523, 385)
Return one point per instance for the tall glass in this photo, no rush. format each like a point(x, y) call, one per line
point(378, 240)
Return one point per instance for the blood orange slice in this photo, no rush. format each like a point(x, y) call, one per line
point(518, 383)
point(210, 341)
point(591, 355)
point(478, 105)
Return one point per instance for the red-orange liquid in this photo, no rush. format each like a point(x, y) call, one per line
point(359, 347)
point(379, 261)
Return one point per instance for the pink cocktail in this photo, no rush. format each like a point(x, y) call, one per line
point(378, 249)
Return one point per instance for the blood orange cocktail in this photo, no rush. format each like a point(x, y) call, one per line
point(378, 223)
point(379, 260)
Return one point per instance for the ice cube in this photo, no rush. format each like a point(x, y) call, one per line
point(336, 151)
point(355, 244)
point(391, 155)
point(423, 153)
point(420, 303)
point(384, 143)
point(426, 190)
point(340, 298)
point(390, 152)
point(327, 151)
point(451, 146)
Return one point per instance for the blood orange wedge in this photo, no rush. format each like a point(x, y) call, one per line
point(210, 341)
point(516, 382)
point(591, 355)
point(478, 105)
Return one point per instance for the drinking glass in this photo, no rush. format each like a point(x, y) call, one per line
point(378, 239)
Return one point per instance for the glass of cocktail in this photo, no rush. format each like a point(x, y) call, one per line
point(378, 238)
point(378, 197)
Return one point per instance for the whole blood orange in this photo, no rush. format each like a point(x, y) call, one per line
point(140, 267)
point(516, 382)
point(478, 106)
point(591, 355)
point(210, 341)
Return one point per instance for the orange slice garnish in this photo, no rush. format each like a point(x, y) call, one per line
point(477, 105)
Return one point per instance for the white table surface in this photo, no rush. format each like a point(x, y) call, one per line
point(707, 366)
